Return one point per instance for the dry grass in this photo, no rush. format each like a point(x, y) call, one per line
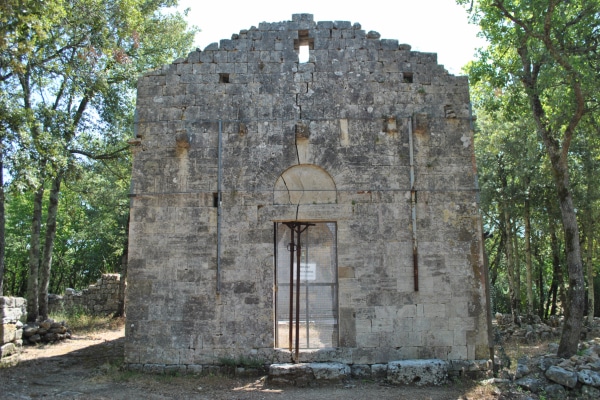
point(516, 350)
point(477, 390)
point(82, 323)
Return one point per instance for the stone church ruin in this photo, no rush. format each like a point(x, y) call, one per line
point(318, 210)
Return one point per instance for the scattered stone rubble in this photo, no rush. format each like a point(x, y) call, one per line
point(550, 375)
point(530, 330)
point(47, 331)
point(99, 299)
point(12, 314)
point(555, 377)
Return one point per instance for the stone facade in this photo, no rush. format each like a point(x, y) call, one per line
point(367, 136)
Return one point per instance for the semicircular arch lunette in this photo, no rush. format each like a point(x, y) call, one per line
point(304, 184)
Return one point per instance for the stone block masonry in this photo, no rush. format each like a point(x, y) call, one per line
point(101, 298)
point(12, 315)
point(367, 144)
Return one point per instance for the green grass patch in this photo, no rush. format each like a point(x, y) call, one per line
point(242, 361)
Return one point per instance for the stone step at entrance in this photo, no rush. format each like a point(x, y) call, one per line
point(406, 372)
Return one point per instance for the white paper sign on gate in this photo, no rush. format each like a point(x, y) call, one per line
point(308, 272)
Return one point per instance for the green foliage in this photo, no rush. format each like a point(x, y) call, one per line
point(68, 70)
point(91, 234)
point(534, 90)
point(241, 361)
point(512, 168)
point(228, 362)
point(122, 375)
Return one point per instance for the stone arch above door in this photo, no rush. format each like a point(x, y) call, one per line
point(304, 184)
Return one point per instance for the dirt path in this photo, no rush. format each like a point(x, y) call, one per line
point(86, 367)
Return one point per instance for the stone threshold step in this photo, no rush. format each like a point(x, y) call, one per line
point(404, 372)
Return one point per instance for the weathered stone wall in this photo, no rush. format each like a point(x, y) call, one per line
point(348, 118)
point(12, 315)
point(101, 298)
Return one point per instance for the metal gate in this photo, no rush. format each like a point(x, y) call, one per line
point(306, 305)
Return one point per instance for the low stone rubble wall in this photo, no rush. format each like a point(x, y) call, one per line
point(12, 314)
point(548, 374)
point(555, 377)
point(101, 298)
point(529, 330)
point(47, 331)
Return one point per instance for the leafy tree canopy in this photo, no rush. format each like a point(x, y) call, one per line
point(542, 63)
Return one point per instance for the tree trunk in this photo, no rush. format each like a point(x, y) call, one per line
point(123, 283)
point(58, 283)
point(588, 226)
point(510, 268)
point(2, 220)
point(528, 264)
point(590, 268)
point(556, 270)
point(517, 270)
point(22, 282)
point(558, 153)
point(122, 286)
point(34, 256)
point(46, 265)
point(541, 291)
point(14, 280)
point(541, 312)
point(496, 261)
point(576, 292)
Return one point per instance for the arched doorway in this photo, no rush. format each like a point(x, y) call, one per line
point(306, 298)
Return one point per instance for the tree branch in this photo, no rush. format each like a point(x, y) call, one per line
point(546, 38)
point(106, 156)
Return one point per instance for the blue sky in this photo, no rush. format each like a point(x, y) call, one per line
point(436, 26)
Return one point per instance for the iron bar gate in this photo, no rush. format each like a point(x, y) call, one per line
point(306, 286)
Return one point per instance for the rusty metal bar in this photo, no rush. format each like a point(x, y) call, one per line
point(295, 246)
point(298, 259)
point(291, 249)
point(306, 290)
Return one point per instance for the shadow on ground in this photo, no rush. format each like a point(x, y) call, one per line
point(90, 368)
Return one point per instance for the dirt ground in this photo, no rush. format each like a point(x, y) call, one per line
point(88, 367)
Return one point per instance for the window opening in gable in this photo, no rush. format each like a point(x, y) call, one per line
point(303, 45)
point(303, 54)
point(407, 77)
point(223, 78)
